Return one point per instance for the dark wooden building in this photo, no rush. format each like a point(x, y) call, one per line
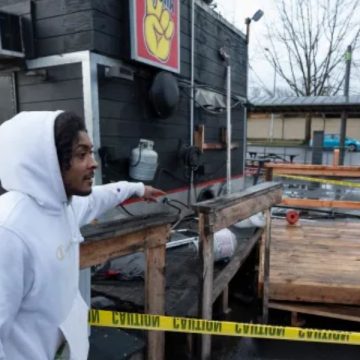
point(77, 56)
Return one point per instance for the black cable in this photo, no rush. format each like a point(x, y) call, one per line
point(139, 159)
point(221, 188)
point(168, 172)
point(184, 218)
point(195, 191)
point(125, 210)
point(173, 206)
point(179, 202)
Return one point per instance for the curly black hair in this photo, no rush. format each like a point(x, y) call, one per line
point(67, 127)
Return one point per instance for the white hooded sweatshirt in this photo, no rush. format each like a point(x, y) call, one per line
point(40, 303)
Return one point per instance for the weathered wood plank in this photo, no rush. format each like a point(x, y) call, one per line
point(97, 252)
point(155, 297)
point(314, 203)
point(266, 267)
point(214, 205)
point(315, 292)
point(199, 137)
point(125, 226)
point(260, 285)
point(314, 170)
point(246, 208)
point(315, 262)
point(350, 313)
point(206, 246)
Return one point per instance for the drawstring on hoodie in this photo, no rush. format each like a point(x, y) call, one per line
point(76, 236)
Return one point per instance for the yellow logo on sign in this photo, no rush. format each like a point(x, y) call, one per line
point(159, 29)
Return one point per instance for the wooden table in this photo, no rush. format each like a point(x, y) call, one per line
point(315, 262)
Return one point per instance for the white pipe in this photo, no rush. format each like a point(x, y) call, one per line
point(271, 132)
point(192, 73)
point(244, 145)
point(192, 94)
point(228, 130)
point(91, 107)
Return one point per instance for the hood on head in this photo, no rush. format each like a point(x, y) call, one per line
point(28, 158)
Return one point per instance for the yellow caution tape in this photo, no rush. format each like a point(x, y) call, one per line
point(322, 181)
point(198, 326)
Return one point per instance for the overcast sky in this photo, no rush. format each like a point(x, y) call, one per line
point(235, 11)
point(261, 72)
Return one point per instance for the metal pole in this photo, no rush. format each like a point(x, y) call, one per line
point(272, 114)
point(244, 146)
point(247, 23)
point(274, 85)
point(348, 55)
point(228, 129)
point(344, 114)
point(247, 35)
point(271, 127)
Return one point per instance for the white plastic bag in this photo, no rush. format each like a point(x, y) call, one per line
point(224, 244)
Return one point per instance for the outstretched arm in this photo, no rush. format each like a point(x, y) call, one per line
point(151, 193)
point(106, 197)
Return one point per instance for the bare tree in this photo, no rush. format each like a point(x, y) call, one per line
point(308, 42)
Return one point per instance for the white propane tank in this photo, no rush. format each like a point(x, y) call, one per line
point(143, 161)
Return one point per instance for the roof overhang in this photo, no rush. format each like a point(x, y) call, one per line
point(313, 104)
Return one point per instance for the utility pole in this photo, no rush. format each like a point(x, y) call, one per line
point(344, 114)
point(271, 131)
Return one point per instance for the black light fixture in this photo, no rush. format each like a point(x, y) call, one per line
point(256, 17)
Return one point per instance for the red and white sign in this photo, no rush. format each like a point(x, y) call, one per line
point(155, 33)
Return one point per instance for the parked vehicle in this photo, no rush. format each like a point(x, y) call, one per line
point(332, 141)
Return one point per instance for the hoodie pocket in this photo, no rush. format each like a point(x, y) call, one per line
point(75, 329)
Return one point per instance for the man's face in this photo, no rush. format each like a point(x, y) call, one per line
point(78, 178)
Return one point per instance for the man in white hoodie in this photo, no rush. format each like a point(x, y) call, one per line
point(47, 167)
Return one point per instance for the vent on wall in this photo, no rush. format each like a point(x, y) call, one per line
point(11, 45)
point(122, 72)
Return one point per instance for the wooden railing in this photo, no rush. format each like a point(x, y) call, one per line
point(318, 171)
point(217, 214)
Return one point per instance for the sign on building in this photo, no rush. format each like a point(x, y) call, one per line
point(155, 33)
